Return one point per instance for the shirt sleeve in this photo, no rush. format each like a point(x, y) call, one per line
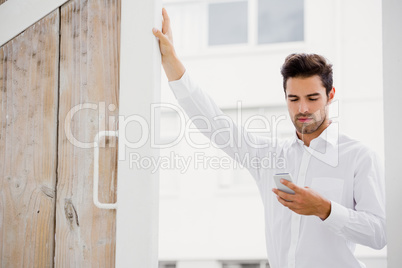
point(234, 140)
point(365, 224)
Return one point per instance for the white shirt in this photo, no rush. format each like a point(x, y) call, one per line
point(341, 169)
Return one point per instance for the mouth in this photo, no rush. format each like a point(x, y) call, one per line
point(304, 119)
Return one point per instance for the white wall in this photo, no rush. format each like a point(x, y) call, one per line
point(392, 35)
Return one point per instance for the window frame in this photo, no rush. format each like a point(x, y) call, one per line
point(251, 47)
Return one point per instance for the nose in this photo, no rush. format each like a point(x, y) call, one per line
point(303, 107)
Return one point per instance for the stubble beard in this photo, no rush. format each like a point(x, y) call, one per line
point(310, 127)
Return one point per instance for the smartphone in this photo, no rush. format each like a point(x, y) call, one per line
point(285, 176)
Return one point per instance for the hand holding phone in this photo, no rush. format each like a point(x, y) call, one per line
point(285, 176)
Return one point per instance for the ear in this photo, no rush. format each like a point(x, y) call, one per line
point(331, 95)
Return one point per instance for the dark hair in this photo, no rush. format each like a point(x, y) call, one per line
point(307, 65)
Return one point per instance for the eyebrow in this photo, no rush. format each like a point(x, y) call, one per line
point(309, 95)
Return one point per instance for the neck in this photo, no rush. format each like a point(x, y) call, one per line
point(307, 138)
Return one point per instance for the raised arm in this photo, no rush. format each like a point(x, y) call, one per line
point(202, 110)
point(173, 67)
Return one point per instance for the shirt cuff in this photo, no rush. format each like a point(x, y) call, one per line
point(338, 217)
point(183, 87)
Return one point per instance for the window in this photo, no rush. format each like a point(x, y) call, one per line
point(202, 25)
point(280, 21)
point(227, 23)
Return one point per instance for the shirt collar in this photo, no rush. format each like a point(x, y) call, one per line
point(329, 135)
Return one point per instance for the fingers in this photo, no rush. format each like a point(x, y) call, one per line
point(291, 185)
point(285, 196)
point(282, 201)
point(290, 205)
point(159, 34)
point(286, 200)
point(166, 21)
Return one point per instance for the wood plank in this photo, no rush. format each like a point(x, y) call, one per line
point(28, 145)
point(89, 60)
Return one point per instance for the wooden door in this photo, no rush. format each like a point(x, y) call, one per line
point(59, 86)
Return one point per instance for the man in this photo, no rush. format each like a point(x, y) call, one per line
point(339, 198)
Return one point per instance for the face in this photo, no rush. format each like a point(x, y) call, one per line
point(307, 103)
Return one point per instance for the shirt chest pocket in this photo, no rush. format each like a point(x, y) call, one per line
point(329, 187)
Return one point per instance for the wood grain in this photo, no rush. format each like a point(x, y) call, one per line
point(89, 62)
point(28, 145)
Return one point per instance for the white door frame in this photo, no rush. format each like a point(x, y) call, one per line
point(138, 188)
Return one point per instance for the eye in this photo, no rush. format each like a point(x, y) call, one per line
point(313, 99)
point(294, 100)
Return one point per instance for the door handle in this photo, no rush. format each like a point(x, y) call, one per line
point(96, 170)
